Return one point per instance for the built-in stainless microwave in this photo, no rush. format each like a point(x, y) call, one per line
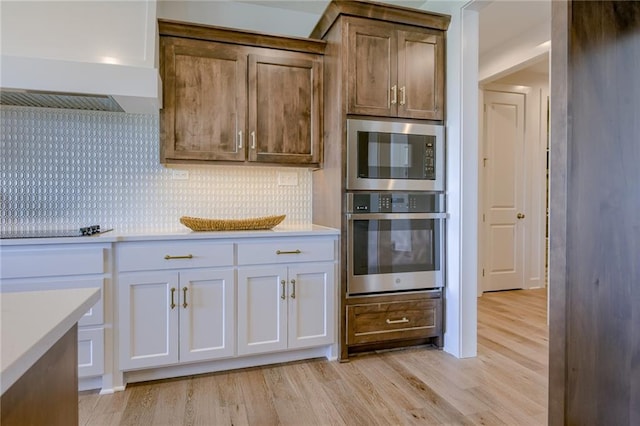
point(394, 155)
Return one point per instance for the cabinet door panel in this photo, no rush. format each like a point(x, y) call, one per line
point(284, 108)
point(372, 67)
point(420, 75)
point(204, 101)
point(206, 323)
point(148, 324)
point(311, 305)
point(262, 312)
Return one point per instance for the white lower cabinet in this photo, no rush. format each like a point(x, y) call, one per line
point(285, 307)
point(175, 316)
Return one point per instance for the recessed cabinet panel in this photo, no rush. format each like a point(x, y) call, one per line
point(204, 101)
point(420, 74)
point(311, 302)
point(284, 108)
point(262, 310)
point(148, 313)
point(372, 69)
point(206, 315)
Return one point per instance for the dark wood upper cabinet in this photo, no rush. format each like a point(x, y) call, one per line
point(236, 96)
point(394, 72)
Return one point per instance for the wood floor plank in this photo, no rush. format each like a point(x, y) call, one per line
point(506, 384)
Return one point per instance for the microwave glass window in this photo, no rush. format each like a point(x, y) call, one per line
point(395, 156)
point(384, 246)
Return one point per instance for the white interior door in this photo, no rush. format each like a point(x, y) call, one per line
point(504, 190)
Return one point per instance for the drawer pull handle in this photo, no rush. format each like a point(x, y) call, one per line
point(173, 296)
point(169, 257)
point(184, 297)
point(288, 252)
point(283, 283)
point(400, 321)
point(293, 292)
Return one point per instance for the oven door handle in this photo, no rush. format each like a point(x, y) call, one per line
point(374, 216)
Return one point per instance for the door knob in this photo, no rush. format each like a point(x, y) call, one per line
point(520, 216)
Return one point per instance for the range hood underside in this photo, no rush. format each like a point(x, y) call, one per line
point(50, 83)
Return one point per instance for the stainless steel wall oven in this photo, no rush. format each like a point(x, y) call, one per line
point(395, 241)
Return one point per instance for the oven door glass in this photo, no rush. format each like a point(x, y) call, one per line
point(395, 156)
point(394, 255)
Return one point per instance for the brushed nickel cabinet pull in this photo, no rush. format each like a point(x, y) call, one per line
point(184, 297)
point(293, 291)
point(283, 296)
point(253, 139)
point(288, 252)
point(403, 92)
point(394, 98)
point(240, 140)
point(169, 257)
point(400, 321)
point(173, 297)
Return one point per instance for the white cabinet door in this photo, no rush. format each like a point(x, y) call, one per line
point(311, 305)
point(206, 314)
point(148, 313)
point(262, 310)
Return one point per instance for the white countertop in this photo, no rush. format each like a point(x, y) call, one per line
point(31, 322)
point(187, 234)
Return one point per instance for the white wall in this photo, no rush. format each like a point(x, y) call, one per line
point(462, 177)
point(240, 15)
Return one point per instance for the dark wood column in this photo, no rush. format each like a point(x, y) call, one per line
point(595, 214)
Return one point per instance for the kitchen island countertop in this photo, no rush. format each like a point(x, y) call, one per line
point(33, 321)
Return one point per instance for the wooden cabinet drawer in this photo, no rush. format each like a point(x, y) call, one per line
point(54, 261)
point(160, 255)
point(407, 319)
point(286, 250)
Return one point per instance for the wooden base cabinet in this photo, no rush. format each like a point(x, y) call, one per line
point(284, 307)
point(171, 317)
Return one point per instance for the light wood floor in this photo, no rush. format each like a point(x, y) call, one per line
point(506, 384)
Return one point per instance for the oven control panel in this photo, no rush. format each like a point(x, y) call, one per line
point(395, 202)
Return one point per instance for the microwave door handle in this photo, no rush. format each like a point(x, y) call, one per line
point(406, 155)
point(375, 216)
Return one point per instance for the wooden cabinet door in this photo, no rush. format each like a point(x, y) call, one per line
point(372, 65)
point(421, 74)
point(285, 103)
point(148, 319)
point(262, 310)
point(311, 305)
point(204, 91)
point(207, 302)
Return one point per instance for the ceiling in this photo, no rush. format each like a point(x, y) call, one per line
point(500, 20)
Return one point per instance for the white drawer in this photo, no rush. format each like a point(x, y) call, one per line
point(286, 250)
point(94, 316)
point(147, 256)
point(26, 263)
point(90, 352)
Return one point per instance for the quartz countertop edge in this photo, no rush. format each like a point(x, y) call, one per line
point(33, 321)
point(186, 234)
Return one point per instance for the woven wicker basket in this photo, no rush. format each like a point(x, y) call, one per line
point(202, 224)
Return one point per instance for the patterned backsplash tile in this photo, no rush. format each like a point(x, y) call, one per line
point(61, 169)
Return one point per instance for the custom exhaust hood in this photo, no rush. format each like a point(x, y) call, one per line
point(99, 55)
point(49, 83)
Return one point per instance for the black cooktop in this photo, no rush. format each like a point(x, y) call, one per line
point(44, 233)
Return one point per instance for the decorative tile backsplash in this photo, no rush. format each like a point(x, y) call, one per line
point(62, 169)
